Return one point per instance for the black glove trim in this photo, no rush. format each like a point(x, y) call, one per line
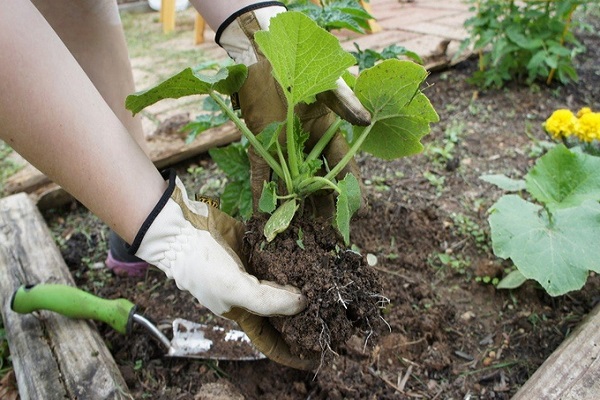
point(244, 10)
point(168, 174)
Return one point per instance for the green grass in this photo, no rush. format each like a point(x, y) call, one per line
point(8, 166)
point(157, 53)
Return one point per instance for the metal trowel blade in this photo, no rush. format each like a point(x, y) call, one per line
point(193, 340)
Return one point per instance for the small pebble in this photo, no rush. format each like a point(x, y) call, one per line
point(467, 316)
point(371, 260)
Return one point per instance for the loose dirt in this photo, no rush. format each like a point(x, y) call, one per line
point(451, 335)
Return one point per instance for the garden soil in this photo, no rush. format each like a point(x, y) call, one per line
point(448, 333)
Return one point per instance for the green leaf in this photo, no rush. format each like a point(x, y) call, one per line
point(311, 60)
point(348, 202)
point(268, 198)
point(400, 113)
point(280, 220)
point(504, 182)
point(512, 281)
point(557, 252)
point(188, 82)
point(237, 199)
point(562, 178)
point(233, 160)
point(269, 135)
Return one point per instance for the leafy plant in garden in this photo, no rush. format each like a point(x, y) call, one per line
point(400, 114)
point(527, 41)
point(369, 57)
point(553, 240)
point(334, 14)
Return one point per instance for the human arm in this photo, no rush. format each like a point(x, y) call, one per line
point(53, 115)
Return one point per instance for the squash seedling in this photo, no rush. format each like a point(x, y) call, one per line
point(310, 63)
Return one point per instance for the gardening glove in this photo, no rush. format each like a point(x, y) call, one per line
point(200, 248)
point(262, 102)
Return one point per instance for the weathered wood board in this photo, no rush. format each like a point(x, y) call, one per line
point(54, 357)
point(164, 152)
point(572, 372)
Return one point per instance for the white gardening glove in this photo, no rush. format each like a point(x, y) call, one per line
point(189, 242)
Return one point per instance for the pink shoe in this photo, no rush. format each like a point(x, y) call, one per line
point(136, 269)
point(120, 261)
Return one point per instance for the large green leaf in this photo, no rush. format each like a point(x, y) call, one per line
point(557, 252)
point(188, 82)
point(310, 61)
point(400, 113)
point(562, 178)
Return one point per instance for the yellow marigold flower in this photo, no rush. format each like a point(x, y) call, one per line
point(588, 127)
point(583, 111)
point(561, 123)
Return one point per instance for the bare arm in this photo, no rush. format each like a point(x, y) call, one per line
point(52, 114)
point(215, 12)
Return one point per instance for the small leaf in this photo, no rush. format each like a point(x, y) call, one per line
point(186, 83)
point(280, 219)
point(562, 178)
point(311, 60)
point(504, 182)
point(348, 202)
point(268, 198)
point(557, 250)
point(512, 281)
point(269, 135)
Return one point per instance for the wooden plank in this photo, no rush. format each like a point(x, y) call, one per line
point(54, 357)
point(165, 151)
point(572, 372)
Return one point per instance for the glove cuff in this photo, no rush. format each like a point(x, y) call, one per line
point(170, 176)
point(236, 33)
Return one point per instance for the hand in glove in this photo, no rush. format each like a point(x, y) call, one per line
point(200, 248)
point(262, 101)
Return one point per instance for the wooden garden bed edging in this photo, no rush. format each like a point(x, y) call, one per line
point(54, 357)
point(572, 372)
point(164, 152)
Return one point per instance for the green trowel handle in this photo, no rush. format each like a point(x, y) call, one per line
point(74, 303)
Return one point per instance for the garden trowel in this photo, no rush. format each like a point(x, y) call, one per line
point(190, 339)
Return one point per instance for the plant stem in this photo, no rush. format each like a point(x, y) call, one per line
point(286, 171)
point(317, 181)
point(249, 135)
point(350, 154)
point(291, 143)
point(330, 176)
point(562, 40)
point(324, 140)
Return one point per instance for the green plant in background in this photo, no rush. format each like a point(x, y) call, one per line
point(523, 40)
point(554, 238)
point(236, 198)
point(334, 14)
point(8, 166)
point(368, 57)
point(445, 152)
point(400, 115)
